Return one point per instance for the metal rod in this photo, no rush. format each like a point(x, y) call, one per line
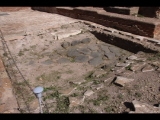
point(40, 104)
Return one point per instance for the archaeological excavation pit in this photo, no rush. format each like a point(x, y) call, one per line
point(83, 67)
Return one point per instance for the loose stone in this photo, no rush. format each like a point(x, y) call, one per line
point(86, 40)
point(122, 80)
point(66, 44)
point(132, 57)
point(88, 93)
point(147, 68)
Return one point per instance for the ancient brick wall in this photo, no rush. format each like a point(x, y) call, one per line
point(9, 9)
point(153, 12)
point(122, 10)
point(148, 27)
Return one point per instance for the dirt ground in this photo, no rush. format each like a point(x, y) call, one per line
point(79, 72)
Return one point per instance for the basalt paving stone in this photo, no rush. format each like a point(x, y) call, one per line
point(93, 47)
point(63, 60)
point(66, 44)
point(96, 61)
point(110, 55)
point(104, 48)
point(85, 51)
point(81, 58)
point(85, 40)
point(46, 54)
point(73, 43)
point(73, 52)
point(61, 52)
point(115, 50)
point(54, 56)
point(95, 54)
point(47, 62)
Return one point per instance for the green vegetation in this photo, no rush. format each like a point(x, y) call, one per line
point(89, 76)
point(54, 75)
point(100, 99)
point(21, 53)
point(128, 67)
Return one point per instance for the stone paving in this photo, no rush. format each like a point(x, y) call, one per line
point(79, 72)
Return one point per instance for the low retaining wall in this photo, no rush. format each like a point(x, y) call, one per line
point(148, 27)
point(122, 10)
point(153, 12)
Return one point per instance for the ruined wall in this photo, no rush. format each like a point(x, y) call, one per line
point(153, 12)
point(10, 9)
point(122, 10)
point(148, 27)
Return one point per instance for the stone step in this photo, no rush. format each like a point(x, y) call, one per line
point(122, 10)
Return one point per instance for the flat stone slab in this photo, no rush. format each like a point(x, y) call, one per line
point(137, 66)
point(122, 80)
point(76, 42)
point(85, 40)
point(75, 101)
point(85, 51)
point(96, 61)
point(104, 48)
point(81, 58)
point(144, 108)
point(141, 59)
point(109, 79)
point(129, 61)
point(66, 44)
point(55, 56)
point(88, 93)
point(61, 34)
point(132, 57)
point(46, 54)
point(61, 52)
point(93, 47)
point(148, 68)
point(63, 60)
point(119, 69)
point(127, 73)
point(97, 87)
point(47, 62)
point(95, 54)
point(110, 55)
point(122, 64)
point(73, 52)
point(115, 50)
point(99, 73)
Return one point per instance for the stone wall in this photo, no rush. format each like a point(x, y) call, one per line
point(153, 12)
point(122, 10)
point(148, 27)
point(10, 9)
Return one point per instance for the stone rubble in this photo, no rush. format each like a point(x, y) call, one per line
point(148, 68)
point(137, 66)
point(132, 57)
point(144, 108)
point(75, 101)
point(88, 93)
point(122, 80)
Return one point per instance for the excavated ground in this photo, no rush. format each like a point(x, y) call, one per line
point(79, 72)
